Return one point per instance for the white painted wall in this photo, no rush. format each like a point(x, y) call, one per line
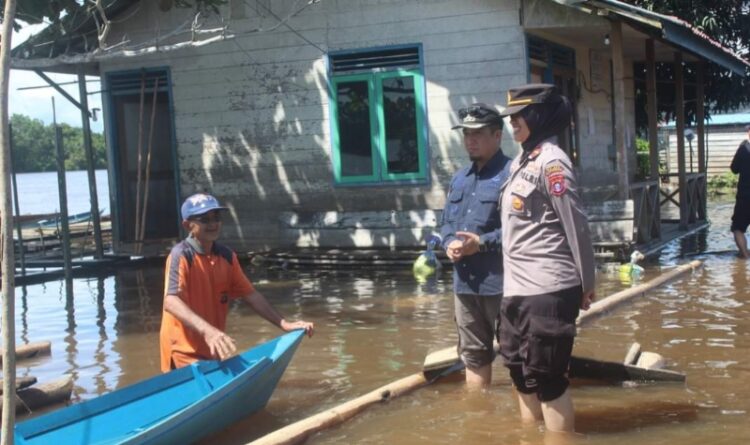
point(721, 144)
point(251, 113)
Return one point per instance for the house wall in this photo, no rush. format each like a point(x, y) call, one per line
point(722, 142)
point(251, 113)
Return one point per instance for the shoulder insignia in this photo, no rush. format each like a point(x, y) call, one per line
point(534, 153)
point(552, 169)
point(557, 185)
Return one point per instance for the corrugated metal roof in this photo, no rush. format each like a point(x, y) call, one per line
point(722, 119)
point(74, 34)
point(672, 29)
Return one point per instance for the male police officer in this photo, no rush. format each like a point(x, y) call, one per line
point(471, 237)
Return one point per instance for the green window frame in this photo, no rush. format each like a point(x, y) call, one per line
point(382, 148)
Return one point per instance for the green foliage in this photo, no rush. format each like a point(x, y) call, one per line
point(643, 159)
point(641, 145)
point(34, 146)
point(724, 181)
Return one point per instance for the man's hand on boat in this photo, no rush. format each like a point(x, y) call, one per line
point(220, 344)
point(287, 326)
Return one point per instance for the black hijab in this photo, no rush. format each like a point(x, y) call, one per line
point(546, 119)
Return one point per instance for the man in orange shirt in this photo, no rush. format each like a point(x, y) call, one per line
point(201, 277)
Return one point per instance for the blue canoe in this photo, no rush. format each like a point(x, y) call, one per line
point(178, 407)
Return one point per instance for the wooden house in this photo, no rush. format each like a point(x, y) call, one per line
point(327, 123)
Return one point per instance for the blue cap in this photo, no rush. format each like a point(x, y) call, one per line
point(199, 204)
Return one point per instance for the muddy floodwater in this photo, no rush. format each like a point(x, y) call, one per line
point(374, 327)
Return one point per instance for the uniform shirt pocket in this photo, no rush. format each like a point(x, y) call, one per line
point(521, 199)
point(453, 207)
point(485, 209)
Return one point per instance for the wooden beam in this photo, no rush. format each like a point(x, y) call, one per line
point(64, 93)
point(89, 151)
point(653, 140)
point(680, 121)
point(700, 117)
point(618, 76)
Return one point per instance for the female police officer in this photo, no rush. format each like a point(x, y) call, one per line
point(548, 258)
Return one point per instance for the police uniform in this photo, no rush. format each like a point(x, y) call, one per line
point(548, 263)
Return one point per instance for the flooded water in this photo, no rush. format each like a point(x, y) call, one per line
point(38, 192)
point(376, 327)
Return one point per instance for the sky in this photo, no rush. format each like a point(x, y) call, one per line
point(37, 103)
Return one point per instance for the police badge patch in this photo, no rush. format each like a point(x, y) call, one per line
point(556, 184)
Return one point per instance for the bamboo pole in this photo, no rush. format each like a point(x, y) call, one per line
point(142, 233)
point(298, 432)
point(603, 307)
point(8, 267)
point(138, 163)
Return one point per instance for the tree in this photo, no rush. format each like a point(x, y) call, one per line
point(34, 146)
point(728, 23)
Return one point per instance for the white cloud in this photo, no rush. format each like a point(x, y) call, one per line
point(37, 103)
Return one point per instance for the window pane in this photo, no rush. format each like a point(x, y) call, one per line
point(400, 111)
point(355, 149)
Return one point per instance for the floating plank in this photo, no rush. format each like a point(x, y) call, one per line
point(21, 383)
point(633, 353)
point(587, 368)
point(31, 350)
point(580, 368)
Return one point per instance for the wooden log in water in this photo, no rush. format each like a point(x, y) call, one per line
point(21, 383)
point(603, 307)
point(44, 394)
point(31, 350)
point(298, 432)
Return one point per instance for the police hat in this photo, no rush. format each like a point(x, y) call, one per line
point(478, 115)
point(525, 95)
point(198, 204)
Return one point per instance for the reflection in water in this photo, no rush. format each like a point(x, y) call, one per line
point(631, 418)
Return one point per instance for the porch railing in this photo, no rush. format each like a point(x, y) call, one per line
point(647, 211)
point(695, 206)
